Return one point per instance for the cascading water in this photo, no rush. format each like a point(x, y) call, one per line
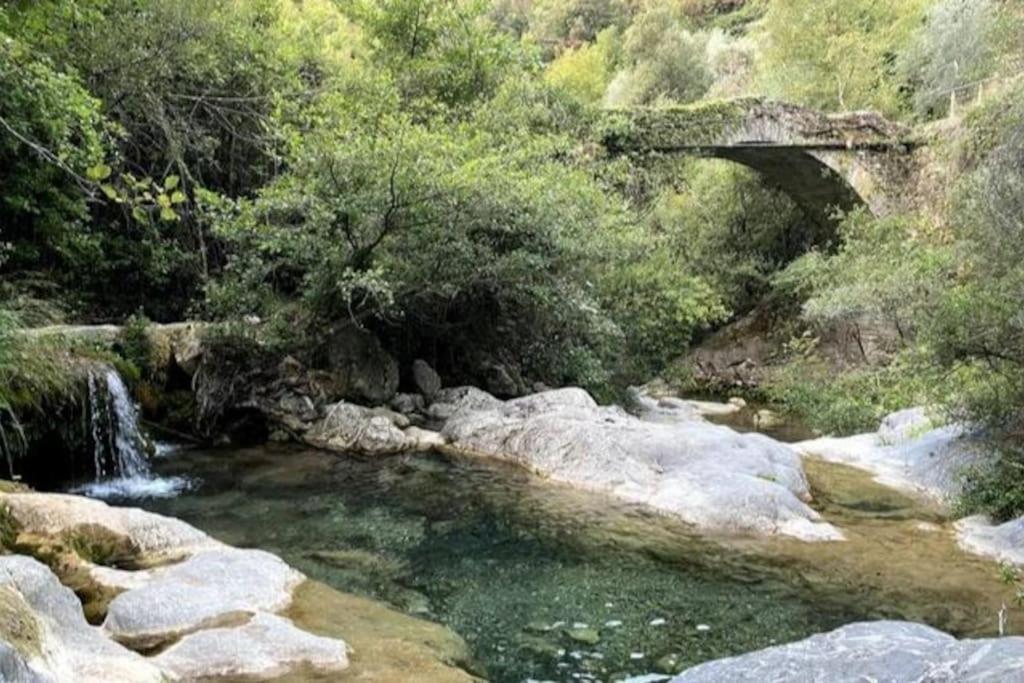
point(121, 466)
point(119, 449)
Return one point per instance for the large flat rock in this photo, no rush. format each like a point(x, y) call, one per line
point(707, 475)
point(44, 635)
point(1002, 542)
point(210, 589)
point(212, 607)
point(907, 454)
point(156, 537)
point(878, 651)
point(272, 646)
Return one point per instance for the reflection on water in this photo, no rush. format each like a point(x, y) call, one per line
point(544, 582)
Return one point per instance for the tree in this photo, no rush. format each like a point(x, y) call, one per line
point(951, 53)
point(52, 132)
point(585, 71)
point(663, 62)
point(836, 55)
point(443, 53)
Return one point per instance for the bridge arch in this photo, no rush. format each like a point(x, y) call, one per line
point(823, 162)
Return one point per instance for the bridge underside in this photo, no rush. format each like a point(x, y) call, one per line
point(813, 185)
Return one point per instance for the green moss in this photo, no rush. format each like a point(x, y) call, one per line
point(18, 625)
point(66, 557)
point(8, 525)
point(99, 545)
point(703, 123)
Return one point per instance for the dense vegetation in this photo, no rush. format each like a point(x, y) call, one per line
point(427, 169)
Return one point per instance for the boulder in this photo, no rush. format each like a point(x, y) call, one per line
point(904, 425)
point(880, 651)
point(929, 464)
point(409, 404)
point(364, 370)
point(503, 380)
point(1003, 542)
point(349, 428)
point(449, 401)
point(709, 476)
point(155, 537)
point(211, 588)
point(45, 636)
point(273, 646)
point(427, 381)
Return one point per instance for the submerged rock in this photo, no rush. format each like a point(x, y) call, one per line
point(929, 463)
point(882, 651)
point(708, 475)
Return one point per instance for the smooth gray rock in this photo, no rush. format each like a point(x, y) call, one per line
point(707, 475)
point(426, 379)
point(349, 428)
point(409, 404)
point(928, 464)
point(904, 425)
point(56, 643)
point(208, 589)
point(155, 536)
point(1003, 542)
point(270, 645)
point(876, 651)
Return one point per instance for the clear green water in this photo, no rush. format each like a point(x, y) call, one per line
point(509, 563)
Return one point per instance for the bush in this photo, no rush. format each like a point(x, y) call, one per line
point(832, 401)
point(996, 490)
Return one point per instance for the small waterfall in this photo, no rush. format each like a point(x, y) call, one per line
point(119, 449)
point(11, 447)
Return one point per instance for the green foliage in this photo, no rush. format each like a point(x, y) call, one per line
point(663, 61)
point(837, 55)
point(846, 402)
point(659, 305)
point(855, 283)
point(977, 323)
point(731, 230)
point(134, 345)
point(997, 489)
point(585, 71)
point(51, 133)
point(951, 53)
point(31, 370)
point(555, 24)
point(463, 236)
point(441, 54)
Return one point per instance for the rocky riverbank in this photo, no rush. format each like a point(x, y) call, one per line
point(167, 602)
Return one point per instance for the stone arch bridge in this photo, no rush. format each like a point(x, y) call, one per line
point(822, 161)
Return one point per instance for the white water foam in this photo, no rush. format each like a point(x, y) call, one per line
point(139, 486)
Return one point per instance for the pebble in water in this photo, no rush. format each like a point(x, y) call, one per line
point(703, 627)
point(660, 621)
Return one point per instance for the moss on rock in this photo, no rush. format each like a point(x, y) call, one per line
point(19, 627)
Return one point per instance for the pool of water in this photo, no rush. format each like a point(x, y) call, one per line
point(547, 583)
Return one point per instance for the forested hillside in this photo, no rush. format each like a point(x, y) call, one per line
point(432, 171)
